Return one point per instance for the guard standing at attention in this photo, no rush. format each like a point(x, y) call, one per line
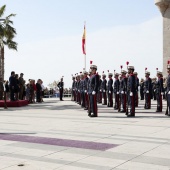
point(147, 90)
point(159, 91)
point(110, 90)
point(104, 88)
point(168, 91)
point(131, 92)
point(93, 90)
point(123, 90)
point(116, 91)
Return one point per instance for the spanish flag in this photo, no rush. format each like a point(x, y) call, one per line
point(84, 41)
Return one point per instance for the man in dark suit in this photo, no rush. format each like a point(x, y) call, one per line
point(61, 86)
point(38, 91)
point(12, 85)
point(21, 86)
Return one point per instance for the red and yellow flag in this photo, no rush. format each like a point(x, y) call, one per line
point(84, 41)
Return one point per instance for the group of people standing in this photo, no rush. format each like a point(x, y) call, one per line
point(88, 88)
point(19, 90)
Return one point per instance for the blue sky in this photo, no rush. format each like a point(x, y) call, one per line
point(41, 24)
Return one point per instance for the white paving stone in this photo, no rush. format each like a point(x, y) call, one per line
point(136, 139)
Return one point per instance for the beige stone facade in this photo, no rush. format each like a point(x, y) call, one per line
point(164, 7)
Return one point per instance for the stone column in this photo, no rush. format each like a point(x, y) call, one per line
point(164, 7)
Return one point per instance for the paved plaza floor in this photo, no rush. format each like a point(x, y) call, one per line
point(58, 135)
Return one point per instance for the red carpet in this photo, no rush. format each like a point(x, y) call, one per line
point(9, 103)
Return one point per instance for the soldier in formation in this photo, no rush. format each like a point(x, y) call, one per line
point(88, 89)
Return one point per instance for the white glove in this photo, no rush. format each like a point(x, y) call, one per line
point(103, 90)
point(131, 93)
point(93, 93)
point(162, 93)
point(122, 92)
point(78, 90)
point(109, 91)
point(85, 91)
point(154, 90)
point(169, 92)
point(147, 91)
point(73, 89)
point(117, 92)
point(100, 90)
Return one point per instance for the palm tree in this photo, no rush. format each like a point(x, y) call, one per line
point(7, 34)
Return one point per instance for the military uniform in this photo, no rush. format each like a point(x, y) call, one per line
point(123, 92)
point(82, 99)
point(104, 88)
point(137, 85)
point(93, 90)
point(141, 89)
point(78, 89)
point(159, 91)
point(147, 91)
point(110, 91)
point(131, 91)
point(116, 91)
point(73, 90)
point(85, 88)
point(99, 96)
point(154, 89)
point(168, 92)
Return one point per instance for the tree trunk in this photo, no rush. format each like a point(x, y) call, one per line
point(3, 64)
point(1, 77)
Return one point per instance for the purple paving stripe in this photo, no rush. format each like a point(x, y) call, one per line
point(58, 142)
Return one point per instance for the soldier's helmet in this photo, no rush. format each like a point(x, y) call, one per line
point(116, 74)
point(93, 67)
point(110, 74)
point(159, 73)
point(147, 72)
point(123, 71)
point(131, 68)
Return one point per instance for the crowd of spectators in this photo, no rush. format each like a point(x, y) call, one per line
point(34, 91)
point(17, 89)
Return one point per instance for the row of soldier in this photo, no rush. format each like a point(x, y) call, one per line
point(88, 88)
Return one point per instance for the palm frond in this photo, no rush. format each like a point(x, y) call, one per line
point(11, 15)
point(9, 29)
point(2, 10)
point(7, 21)
point(12, 45)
